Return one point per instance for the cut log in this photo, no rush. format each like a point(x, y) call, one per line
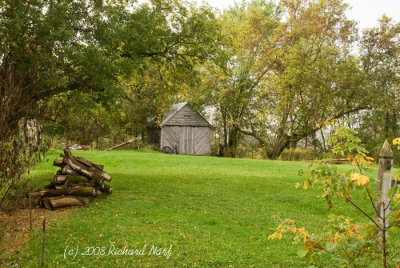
point(76, 181)
point(67, 170)
point(96, 181)
point(105, 188)
point(81, 184)
point(54, 185)
point(84, 161)
point(101, 195)
point(77, 191)
point(59, 179)
point(122, 144)
point(50, 186)
point(80, 168)
point(108, 189)
point(58, 163)
point(64, 201)
point(71, 179)
point(99, 167)
point(105, 176)
point(61, 186)
point(88, 163)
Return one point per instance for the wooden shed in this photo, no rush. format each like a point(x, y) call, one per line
point(185, 131)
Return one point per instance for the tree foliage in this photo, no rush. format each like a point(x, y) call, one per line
point(232, 80)
point(285, 71)
point(44, 50)
point(380, 56)
point(50, 48)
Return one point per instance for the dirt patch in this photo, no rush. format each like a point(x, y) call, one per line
point(15, 228)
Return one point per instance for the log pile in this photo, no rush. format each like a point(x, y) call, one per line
point(77, 180)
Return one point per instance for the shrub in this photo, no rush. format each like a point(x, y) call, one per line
point(345, 243)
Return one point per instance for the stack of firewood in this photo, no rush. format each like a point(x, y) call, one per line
point(76, 181)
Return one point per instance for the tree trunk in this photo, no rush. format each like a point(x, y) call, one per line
point(225, 131)
point(323, 140)
point(233, 137)
point(282, 142)
point(293, 142)
point(64, 201)
point(314, 141)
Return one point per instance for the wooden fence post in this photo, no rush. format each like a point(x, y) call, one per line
point(43, 237)
point(382, 202)
point(30, 211)
point(384, 182)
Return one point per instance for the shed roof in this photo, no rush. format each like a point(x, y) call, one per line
point(174, 109)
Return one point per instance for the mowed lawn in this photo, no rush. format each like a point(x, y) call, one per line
point(212, 211)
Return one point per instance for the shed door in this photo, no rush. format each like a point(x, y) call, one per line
point(195, 140)
point(202, 140)
point(187, 142)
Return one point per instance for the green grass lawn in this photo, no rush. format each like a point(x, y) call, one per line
point(212, 211)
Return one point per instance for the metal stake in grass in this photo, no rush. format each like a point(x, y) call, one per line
point(43, 236)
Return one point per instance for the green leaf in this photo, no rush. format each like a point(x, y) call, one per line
point(302, 253)
point(330, 246)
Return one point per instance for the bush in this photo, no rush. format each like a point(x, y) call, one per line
point(299, 154)
point(346, 243)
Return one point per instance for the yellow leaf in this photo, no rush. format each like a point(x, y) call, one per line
point(359, 179)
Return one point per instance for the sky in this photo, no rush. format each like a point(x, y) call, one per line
point(366, 12)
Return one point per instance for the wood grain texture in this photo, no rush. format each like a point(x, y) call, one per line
point(170, 136)
point(202, 140)
point(187, 117)
point(188, 140)
point(186, 132)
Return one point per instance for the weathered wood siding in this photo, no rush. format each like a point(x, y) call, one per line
point(187, 139)
point(186, 132)
point(202, 140)
point(170, 136)
point(187, 117)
